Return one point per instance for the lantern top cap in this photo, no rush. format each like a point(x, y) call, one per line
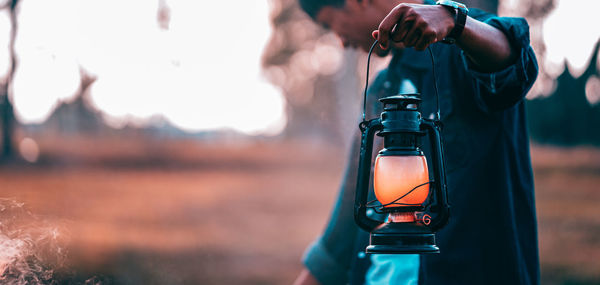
point(407, 102)
point(404, 98)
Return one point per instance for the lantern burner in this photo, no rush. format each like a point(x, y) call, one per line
point(401, 217)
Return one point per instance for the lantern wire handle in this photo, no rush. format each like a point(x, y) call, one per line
point(435, 86)
point(372, 204)
point(364, 119)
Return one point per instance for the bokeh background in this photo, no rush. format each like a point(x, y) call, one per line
point(195, 142)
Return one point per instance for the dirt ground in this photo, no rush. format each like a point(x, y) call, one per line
point(197, 213)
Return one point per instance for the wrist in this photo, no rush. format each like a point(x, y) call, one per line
point(459, 14)
point(449, 20)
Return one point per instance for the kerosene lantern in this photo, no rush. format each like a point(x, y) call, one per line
point(416, 205)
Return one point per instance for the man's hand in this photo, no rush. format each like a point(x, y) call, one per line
point(413, 25)
point(418, 26)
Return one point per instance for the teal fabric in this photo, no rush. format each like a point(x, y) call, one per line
point(397, 269)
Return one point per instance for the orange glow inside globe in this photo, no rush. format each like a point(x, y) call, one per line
point(396, 175)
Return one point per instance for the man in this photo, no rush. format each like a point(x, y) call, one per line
point(483, 76)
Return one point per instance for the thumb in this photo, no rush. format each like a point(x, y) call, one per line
point(375, 34)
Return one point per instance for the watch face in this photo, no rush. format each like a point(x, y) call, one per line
point(460, 5)
point(453, 4)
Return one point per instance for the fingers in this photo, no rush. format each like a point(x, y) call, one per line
point(378, 50)
point(408, 25)
point(425, 41)
point(401, 30)
point(414, 34)
point(388, 23)
point(422, 37)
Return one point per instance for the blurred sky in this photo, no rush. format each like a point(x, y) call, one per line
point(570, 32)
point(201, 73)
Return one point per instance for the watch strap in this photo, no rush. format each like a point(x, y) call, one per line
point(460, 12)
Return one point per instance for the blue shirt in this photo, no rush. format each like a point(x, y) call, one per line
point(491, 237)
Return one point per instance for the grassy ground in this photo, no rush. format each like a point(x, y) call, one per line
point(190, 213)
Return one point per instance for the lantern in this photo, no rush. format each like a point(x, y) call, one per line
point(416, 205)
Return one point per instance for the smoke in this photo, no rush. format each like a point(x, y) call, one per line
point(30, 249)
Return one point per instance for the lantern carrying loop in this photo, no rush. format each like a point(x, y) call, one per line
point(437, 119)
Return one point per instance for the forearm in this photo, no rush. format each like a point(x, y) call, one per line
point(485, 46)
point(418, 26)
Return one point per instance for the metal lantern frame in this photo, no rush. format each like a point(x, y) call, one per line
point(402, 127)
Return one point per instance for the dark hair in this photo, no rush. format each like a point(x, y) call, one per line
point(312, 7)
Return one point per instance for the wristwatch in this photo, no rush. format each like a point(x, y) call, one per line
point(460, 11)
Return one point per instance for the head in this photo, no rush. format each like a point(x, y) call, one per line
point(352, 20)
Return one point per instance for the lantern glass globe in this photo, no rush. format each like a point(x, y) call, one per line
point(395, 176)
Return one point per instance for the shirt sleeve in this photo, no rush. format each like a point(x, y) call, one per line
point(500, 90)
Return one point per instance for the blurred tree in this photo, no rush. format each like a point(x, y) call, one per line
point(7, 116)
point(316, 75)
point(77, 116)
point(567, 117)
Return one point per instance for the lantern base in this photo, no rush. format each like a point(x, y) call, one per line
point(402, 238)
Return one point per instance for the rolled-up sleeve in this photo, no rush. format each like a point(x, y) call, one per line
point(502, 89)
